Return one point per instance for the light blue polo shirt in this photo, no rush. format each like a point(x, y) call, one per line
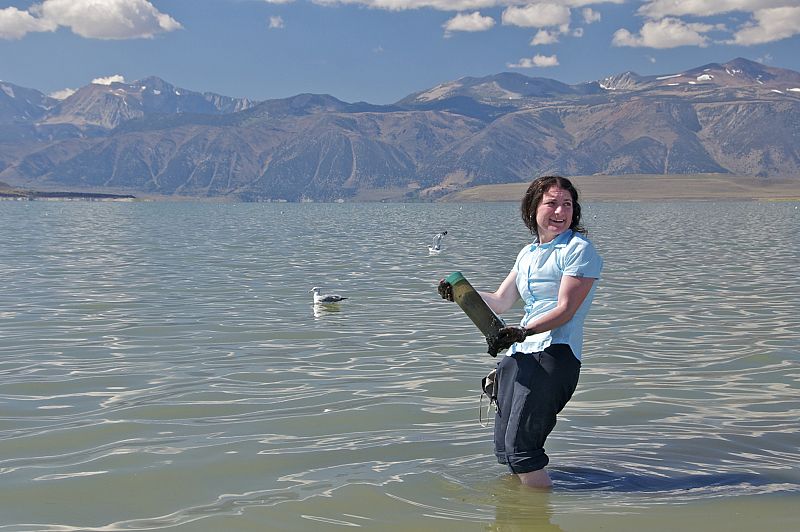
point(539, 269)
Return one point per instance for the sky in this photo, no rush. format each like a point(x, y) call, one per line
point(378, 51)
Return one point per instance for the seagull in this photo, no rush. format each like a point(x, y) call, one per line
point(325, 299)
point(436, 248)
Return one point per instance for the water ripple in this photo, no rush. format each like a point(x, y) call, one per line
point(177, 378)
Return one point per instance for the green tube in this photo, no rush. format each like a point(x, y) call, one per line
point(474, 306)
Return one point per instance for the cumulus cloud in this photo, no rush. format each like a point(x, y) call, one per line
point(590, 15)
point(665, 33)
point(536, 16)
point(15, 24)
point(403, 5)
point(770, 20)
point(658, 9)
point(768, 25)
point(544, 37)
point(541, 61)
point(116, 78)
point(276, 23)
point(63, 94)
point(93, 19)
point(468, 22)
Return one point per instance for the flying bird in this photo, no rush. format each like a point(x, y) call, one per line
point(325, 299)
point(436, 248)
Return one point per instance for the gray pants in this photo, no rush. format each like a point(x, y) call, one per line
point(531, 389)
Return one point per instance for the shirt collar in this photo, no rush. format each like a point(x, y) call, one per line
point(559, 241)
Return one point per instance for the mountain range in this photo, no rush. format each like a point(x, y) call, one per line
point(150, 137)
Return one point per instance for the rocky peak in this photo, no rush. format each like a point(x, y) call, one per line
point(21, 105)
point(108, 105)
point(625, 81)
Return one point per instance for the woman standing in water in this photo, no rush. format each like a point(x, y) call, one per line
point(555, 277)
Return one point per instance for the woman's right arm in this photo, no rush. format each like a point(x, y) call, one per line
point(502, 299)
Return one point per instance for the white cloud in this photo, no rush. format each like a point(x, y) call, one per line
point(765, 59)
point(471, 22)
point(402, 5)
point(768, 25)
point(665, 33)
point(590, 15)
point(541, 61)
point(116, 78)
point(544, 37)
point(93, 19)
point(455, 5)
point(657, 9)
point(63, 94)
point(15, 24)
point(536, 16)
point(276, 23)
point(770, 20)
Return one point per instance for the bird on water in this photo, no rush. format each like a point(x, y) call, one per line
point(325, 299)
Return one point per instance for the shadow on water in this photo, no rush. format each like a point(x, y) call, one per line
point(582, 478)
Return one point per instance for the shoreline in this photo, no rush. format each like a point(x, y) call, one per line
point(596, 188)
point(638, 187)
point(16, 194)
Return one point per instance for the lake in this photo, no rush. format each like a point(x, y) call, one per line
point(162, 367)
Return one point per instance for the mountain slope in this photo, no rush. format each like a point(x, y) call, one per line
point(19, 105)
point(110, 105)
point(737, 117)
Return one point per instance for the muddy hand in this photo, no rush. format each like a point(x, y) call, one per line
point(505, 338)
point(445, 290)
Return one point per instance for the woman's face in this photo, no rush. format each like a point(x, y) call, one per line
point(554, 213)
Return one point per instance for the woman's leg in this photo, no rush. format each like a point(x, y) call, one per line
point(536, 479)
point(533, 388)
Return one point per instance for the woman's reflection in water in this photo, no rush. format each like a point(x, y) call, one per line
point(519, 508)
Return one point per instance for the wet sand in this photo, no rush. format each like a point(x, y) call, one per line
point(653, 188)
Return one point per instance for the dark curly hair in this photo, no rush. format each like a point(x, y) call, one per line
point(533, 197)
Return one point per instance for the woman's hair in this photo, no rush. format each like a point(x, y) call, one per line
point(533, 197)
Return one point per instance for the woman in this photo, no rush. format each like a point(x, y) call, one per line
point(555, 276)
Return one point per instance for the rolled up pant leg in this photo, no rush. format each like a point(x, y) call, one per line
point(532, 389)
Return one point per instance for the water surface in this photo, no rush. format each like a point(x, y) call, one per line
point(162, 367)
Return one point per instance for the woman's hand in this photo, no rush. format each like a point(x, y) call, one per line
point(505, 338)
point(445, 290)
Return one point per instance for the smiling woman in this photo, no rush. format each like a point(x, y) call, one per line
point(554, 213)
point(555, 277)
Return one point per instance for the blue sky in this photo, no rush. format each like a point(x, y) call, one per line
point(379, 50)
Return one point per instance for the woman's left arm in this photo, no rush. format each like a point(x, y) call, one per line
point(571, 294)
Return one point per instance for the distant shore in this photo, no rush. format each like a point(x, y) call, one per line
point(720, 187)
point(9, 193)
point(634, 187)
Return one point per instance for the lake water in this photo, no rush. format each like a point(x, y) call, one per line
point(162, 368)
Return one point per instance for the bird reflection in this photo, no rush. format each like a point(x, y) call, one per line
point(320, 310)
